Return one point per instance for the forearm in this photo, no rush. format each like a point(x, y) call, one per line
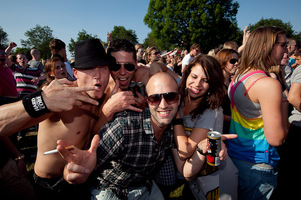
point(193, 166)
point(13, 118)
point(185, 146)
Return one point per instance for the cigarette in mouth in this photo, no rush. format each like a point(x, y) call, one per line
point(56, 151)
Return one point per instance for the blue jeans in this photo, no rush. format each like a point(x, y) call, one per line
point(134, 194)
point(254, 182)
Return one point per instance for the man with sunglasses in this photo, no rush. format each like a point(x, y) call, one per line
point(131, 148)
point(122, 72)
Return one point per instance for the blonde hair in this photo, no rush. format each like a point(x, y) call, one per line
point(257, 53)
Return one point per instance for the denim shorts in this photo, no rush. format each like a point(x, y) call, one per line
point(254, 182)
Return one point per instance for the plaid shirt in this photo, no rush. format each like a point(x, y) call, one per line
point(128, 154)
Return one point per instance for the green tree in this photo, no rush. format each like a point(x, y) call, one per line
point(82, 35)
point(39, 38)
point(121, 32)
point(3, 38)
point(287, 26)
point(207, 22)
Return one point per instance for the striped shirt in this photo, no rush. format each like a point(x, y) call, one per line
point(246, 121)
point(24, 77)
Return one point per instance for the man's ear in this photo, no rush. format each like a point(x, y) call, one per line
point(75, 73)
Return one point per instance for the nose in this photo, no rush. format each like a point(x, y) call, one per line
point(122, 70)
point(97, 73)
point(163, 103)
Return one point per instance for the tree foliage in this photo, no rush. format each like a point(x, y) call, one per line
point(287, 26)
point(39, 38)
point(121, 32)
point(3, 38)
point(82, 35)
point(207, 22)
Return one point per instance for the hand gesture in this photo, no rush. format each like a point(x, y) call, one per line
point(223, 153)
point(120, 101)
point(81, 163)
point(60, 95)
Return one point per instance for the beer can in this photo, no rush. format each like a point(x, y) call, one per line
point(213, 148)
point(133, 88)
point(141, 88)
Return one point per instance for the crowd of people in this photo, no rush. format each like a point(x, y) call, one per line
point(130, 122)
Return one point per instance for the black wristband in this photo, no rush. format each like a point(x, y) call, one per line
point(177, 121)
point(200, 151)
point(34, 104)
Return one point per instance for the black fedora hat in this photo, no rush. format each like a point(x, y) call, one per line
point(90, 53)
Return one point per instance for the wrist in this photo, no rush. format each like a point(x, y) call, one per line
point(177, 121)
point(200, 151)
point(34, 104)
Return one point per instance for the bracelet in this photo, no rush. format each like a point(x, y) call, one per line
point(19, 158)
point(177, 121)
point(34, 104)
point(200, 151)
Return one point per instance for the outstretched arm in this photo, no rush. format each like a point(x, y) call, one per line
point(58, 96)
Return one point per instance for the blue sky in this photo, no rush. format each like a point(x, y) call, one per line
point(66, 17)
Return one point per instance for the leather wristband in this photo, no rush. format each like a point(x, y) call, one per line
point(177, 121)
point(200, 151)
point(34, 104)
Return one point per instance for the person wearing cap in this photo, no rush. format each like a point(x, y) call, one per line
point(66, 110)
point(90, 69)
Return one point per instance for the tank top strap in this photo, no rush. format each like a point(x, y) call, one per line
point(232, 89)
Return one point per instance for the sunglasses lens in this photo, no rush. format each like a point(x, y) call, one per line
point(129, 67)
point(154, 99)
point(115, 67)
point(233, 61)
point(171, 98)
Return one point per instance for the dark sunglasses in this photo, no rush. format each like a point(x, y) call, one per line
point(233, 61)
point(128, 66)
point(170, 98)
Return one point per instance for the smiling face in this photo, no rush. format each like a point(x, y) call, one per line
point(122, 75)
point(197, 83)
point(97, 76)
point(163, 113)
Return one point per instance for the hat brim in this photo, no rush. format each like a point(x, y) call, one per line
point(105, 61)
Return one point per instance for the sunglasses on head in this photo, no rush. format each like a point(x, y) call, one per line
point(170, 98)
point(128, 66)
point(233, 61)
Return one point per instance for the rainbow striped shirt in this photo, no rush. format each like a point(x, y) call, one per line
point(246, 121)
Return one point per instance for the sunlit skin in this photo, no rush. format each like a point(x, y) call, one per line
point(97, 76)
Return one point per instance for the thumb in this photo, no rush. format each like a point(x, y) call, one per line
point(94, 143)
point(116, 87)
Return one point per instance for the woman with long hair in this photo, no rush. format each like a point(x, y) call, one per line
point(202, 93)
point(258, 114)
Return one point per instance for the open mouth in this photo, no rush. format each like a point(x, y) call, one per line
point(98, 85)
point(164, 113)
point(194, 90)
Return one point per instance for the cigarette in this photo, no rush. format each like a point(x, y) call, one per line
point(56, 151)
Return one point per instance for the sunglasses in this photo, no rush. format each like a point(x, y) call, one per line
point(170, 98)
point(233, 61)
point(128, 66)
point(283, 44)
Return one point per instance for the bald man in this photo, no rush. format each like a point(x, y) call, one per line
point(131, 148)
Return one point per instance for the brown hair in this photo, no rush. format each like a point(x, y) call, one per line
point(258, 50)
point(216, 93)
point(49, 67)
point(224, 56)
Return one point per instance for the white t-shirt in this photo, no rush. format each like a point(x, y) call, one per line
point(187, 59)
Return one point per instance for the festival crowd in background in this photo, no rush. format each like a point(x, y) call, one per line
point(131, 122)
